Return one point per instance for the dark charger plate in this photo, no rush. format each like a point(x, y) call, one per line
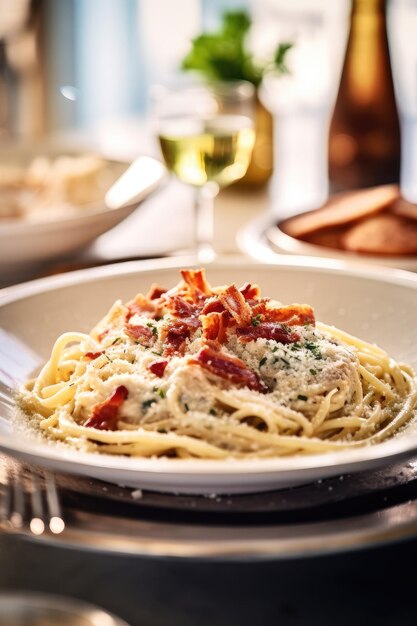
point(342, 513)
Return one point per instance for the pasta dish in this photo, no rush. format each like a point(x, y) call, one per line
point(217, 372)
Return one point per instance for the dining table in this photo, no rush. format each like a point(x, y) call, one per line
point(367, 583)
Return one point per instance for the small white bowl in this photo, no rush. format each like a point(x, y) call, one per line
point(25, 241)
point(264, 241)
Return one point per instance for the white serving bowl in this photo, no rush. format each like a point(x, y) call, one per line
point(25, 241)
point(379, 305)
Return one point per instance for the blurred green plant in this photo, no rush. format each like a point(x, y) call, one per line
point(223, 55)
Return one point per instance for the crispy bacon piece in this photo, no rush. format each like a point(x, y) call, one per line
point(212, 305)
point(267, 330)
point(142, 306)
point(230, 368)
point(176, 336)
point(250, 292)
point(155, 292)
point(140, 333)
point(292, 315)
point(197, 283)
point(234, 302)
point(93, 355)
point(158, 367)
point(180, 307)
point(215, 326)
point(105, 415)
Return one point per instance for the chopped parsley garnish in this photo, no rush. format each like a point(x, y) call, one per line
point(157, 353)
point(255, 321)
point(314, 349)
point(262, 361)
point(153, 328)
point(161, 392)
point(212, 412)
point(301, 397)
point(313, 371)
point(186, 407)
point(295, 346)
point(285, 361)
point(117, 340)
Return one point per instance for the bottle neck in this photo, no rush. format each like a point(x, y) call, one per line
point(367, 49)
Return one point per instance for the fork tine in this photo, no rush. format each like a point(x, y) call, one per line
point(18, 513)
point(37, 524)
point(6, 498)
point(56, 522)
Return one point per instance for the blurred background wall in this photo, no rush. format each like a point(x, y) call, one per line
point(75, 63)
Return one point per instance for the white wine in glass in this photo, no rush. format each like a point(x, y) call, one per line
point(206, 135)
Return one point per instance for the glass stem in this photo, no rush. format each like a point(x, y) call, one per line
point(204, 221)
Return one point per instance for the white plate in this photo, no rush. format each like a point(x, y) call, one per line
point(23, 241)
point(379, 305)
point(262, 239)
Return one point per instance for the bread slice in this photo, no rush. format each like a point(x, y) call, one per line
point(404, 208)
point(385, 234)
point(342, 209)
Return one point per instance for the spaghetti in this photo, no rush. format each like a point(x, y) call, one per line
point(217, 372)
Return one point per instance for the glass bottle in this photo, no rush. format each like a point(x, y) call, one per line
point(364, 140)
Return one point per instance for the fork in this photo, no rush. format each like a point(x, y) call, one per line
point(40, 508)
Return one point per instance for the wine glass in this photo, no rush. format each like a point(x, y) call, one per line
point(206, 133)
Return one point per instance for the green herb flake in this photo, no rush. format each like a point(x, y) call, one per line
point(301, 397)
point(153, 328)
point(161, 392)
point(313, 371)
point(117, 340)
point(314, 349)
point(262, 361)
point(212, 412)
point(255, 321)
point(186, 407)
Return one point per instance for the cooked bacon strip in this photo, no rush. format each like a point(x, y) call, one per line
point(197, 283)
point(180, 307)
point(267, 330)
point(215, 326)
point(250, 292)
point(155, 292)
point(140, 333)
point(176, 336)
point(158, 367)
point(230, 368)
point(235, 303)
point(93, 355)
point(212, 305)
point(292, 315)
point(142, 306)
point(105, 415)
